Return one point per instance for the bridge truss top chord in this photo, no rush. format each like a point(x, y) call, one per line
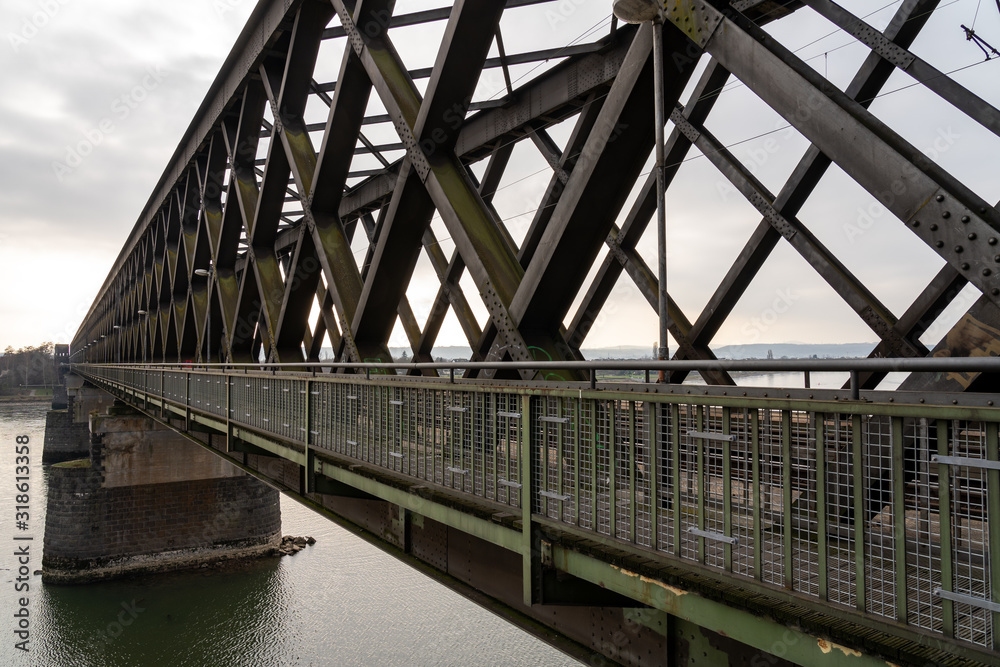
point(248, 247)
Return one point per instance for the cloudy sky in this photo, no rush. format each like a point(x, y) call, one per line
point(97, 95)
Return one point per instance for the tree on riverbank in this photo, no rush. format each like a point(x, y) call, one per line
point(28, 366)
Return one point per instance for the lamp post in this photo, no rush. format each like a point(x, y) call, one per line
point(641, 11)
point(205, 273)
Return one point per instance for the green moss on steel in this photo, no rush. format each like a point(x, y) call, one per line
point(347, 285)
point(271, 284)
point(303, 156)
point(248, 194)
point(498, 258)
point(398, 82)
point(213, 218)
point(686, 15)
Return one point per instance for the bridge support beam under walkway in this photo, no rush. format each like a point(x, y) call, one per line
point(147, 500)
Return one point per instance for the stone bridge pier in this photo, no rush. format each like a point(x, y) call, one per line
point(144, 498)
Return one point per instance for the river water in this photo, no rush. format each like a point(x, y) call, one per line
point(339, 602)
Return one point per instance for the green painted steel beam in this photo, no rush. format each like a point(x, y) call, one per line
point(494, 533)
point(743, 626)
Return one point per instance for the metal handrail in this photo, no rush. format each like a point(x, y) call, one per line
point(903, 364)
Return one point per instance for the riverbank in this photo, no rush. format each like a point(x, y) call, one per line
point(26, 398)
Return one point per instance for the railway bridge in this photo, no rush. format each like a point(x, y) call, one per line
point(677, 514)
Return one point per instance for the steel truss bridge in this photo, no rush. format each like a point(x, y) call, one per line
point(631, 521)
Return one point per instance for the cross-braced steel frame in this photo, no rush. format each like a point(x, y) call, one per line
point(251, 227)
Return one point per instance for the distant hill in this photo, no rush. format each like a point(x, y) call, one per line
point(796, 351)
point(754, 351)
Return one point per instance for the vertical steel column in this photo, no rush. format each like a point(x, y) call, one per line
point(661, 213)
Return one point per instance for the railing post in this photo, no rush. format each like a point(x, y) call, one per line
point(309, 474)
point(528, 554)
point(229, 413)
point(993, 522)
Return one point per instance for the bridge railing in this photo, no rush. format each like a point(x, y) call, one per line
point(886, 506)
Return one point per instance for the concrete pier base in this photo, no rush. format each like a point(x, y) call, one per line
point(148, 500)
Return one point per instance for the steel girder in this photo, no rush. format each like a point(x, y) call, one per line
point(268, 203)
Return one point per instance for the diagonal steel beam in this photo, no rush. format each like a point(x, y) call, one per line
point(934, 205)
point(488, 347)
point(870, 78)
point(901, 57)
point(597, 188)
point(847, 286)
point(623, 242)
point(450, 272)
point(332, 167)
point(477, 234)
point(925, 309)
point(429, 127)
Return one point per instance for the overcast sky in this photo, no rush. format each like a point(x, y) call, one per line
point(97, 95)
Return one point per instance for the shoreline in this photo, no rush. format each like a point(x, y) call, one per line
point(25, 399)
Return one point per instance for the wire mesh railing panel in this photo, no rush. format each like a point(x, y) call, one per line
point(664, 468)
point(604, 473)
point(398, 448)
point(970, 531)
point(880, 547)
point(555, 465)
point(507, 447)
point(481, 438)
point(713, 504)
point(643, 513)
point(687, 491)
point(199, 393)
point(587, 465)
point(623, 436)
point(841, 553)
point(174, 388)
point(923, 530)
point(321, 429)
point(457, 427)
point(772, 495)
point(804, 521)
point(743, 495)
